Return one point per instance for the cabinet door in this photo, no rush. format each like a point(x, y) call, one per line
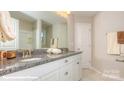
point(66, 73)
point(52, 76)
point(76, 71)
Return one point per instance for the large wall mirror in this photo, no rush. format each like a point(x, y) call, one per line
point(35, 30)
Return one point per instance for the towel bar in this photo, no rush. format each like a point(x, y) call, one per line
point(118, 60)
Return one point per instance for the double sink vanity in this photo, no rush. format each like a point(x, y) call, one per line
point(39, 31)
point(43, 67)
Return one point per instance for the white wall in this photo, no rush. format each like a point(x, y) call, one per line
point(106, 22)
point(25, 25)
point(26, 34)
point(83, 19)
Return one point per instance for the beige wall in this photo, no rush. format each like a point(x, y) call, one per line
point(106, 22)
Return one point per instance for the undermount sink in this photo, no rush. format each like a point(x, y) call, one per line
point(31, 59)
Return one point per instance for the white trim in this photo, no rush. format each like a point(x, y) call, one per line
point(112, 76)
point(96, 70)
point(107, 75)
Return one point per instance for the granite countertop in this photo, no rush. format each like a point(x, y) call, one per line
point(14, 65)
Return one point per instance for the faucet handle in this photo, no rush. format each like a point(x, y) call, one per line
point(30, 50)
point(26, 52)
point(23, 53)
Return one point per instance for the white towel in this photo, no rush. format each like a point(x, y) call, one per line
point(6, 26)
point(121, 49)
point(112, 45)
point(54, 51)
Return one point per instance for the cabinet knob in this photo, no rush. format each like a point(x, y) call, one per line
point(77, 62)
point(66, 73)
point(66, 61)
point(78, 49)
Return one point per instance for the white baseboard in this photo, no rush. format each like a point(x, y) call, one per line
point(96, 70)
point(107, 75)
point(113, 77)
point(86, 66)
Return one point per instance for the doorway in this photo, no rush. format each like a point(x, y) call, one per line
point(83, 42)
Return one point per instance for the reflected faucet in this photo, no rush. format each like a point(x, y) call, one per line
point(26, 53)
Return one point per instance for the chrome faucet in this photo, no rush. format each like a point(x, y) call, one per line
point(26, 53)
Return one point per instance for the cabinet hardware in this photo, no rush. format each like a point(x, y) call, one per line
point(118, 60)
point(66, 61)
point(77, 62)
point(66, 73)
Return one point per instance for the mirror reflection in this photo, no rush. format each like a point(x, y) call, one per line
point(35, 30)
point(46, 34)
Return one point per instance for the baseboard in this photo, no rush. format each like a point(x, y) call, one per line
point(113, 77)
point(96, 70)
point(107, 75)
point(86, 67)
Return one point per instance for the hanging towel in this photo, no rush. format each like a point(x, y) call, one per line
point(120, 37)
point(112, 44)
point(121, 49)
point(6, 29)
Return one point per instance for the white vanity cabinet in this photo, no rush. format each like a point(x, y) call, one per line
point(66, 69)
point(76, 72)
point(33, 73)
point(66, 73)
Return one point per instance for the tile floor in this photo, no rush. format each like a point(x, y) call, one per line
point(91, 75)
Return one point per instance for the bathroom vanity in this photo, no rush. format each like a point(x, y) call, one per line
point(62, 67)
point(36, 32)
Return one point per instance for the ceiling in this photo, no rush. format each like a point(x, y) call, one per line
point(22, 16)
point(49, 16)
point(84, 13)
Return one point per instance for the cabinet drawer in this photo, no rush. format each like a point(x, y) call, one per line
point(66, 61)
point(66, 73)
point(32, 73)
